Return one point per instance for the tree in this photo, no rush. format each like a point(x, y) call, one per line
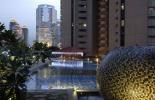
point(15, 60)
point(41, 51)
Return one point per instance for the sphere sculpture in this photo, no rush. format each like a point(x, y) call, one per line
point(128, 74)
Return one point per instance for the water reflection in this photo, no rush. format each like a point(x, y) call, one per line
point(64, 77)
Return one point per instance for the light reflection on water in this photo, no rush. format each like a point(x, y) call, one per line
point(57, 77)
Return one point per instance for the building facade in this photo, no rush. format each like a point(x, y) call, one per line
point(151, 22)
point(58, 35)
point(66, 23)
point(45, 19)
point(77, 25)
point(16, 28)
point(25, 33)
point(102, 25)
point(131, 23)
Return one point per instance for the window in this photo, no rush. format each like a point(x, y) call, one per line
point(116, 33)
point(151, 26)
point(81, 36)
point(151, 17)
point(151, 9)
point(82, 24)
point(116, 40)
point(116, 10)
point(83, 30)
point(122, 7)
point(83, 5)
point(82, 11)
point(82, 42)
point(116, 18)
point(82, 48)
point(82, 17)
point(116, 2)
point(122, 23)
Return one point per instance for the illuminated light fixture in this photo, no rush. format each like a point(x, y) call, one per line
point(84, 25)
point(122, 7)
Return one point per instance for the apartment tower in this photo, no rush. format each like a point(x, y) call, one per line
point(131, 22)
point(16, 28)
point(98, 26)
point(25, 33)
point(45, 19)
point(78, 25)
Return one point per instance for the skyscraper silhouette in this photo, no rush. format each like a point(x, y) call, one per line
point(46, 17)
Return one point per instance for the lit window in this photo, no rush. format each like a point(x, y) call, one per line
point(83, 5)
point(122, 7)
point(151, 9)
point(122, 23)
point(84, 25)
point(72, 25)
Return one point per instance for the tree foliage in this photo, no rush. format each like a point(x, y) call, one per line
point(15, 60)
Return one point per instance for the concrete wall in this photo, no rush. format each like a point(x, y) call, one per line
point(71, 19)
point(66, 23)
point(114, 24)
point(135, 23)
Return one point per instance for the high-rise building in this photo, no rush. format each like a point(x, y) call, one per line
point(78, 25)
point(25, 33)
point(131, 23)
point(151, 22)
point(66, 23)
point(45, 18)
point(124, 23)
point(15, 27)
point(58, 34)
point(54, 16)
point(98, 26)
point(22, 32)
point(128, 23)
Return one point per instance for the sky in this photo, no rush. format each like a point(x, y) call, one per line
point(24, 12)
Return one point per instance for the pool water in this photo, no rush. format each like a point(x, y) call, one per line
point(64, 77)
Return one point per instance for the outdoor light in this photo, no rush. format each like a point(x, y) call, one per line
point(97, 60)
point(34, 57)
point(88, 59)
point(12, 58)
point(50, 64)
point(64, 60)
point(84, 25)
point(10, 98)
